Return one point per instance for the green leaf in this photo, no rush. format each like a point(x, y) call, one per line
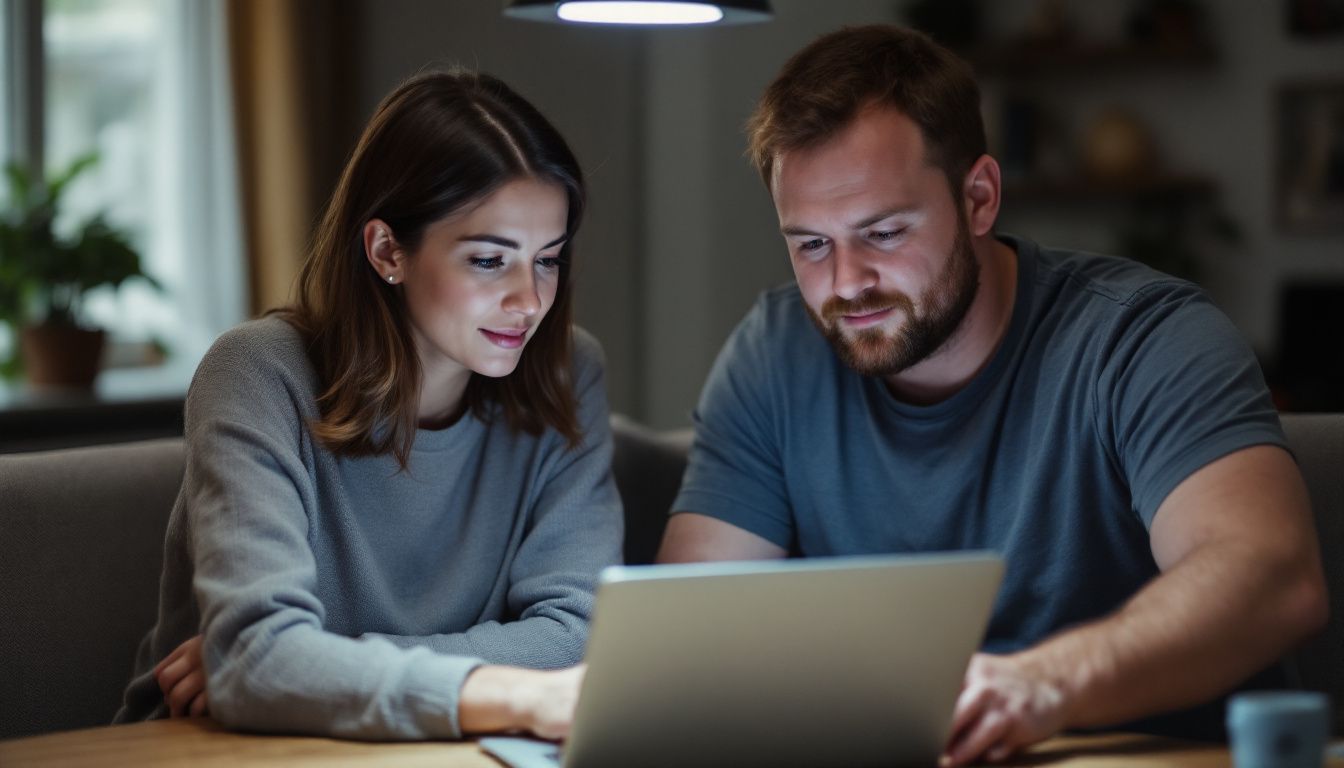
point(57, 184)
point(20, 185)
point(44, 277)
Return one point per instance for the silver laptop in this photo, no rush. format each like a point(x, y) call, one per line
point(850, 661)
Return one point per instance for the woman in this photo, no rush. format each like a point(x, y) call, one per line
point(397, 490)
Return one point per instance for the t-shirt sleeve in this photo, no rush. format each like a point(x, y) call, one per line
point(270, 664)
point(575, 530)
point(1180, 389)
point(734, 471)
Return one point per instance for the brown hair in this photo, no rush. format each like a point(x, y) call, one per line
point(823, 87)
point(439, 143)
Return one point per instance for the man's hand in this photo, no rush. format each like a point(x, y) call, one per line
point(501, 699)
point(181, 677)
point(1005, 704)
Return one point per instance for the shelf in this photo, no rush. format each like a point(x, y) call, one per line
point(1088, 191)
point(1054, 60)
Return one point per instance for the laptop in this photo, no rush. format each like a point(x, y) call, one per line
point(853, 661)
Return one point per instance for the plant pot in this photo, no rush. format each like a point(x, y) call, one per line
point(61, 356)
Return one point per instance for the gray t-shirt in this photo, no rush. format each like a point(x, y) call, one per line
point(340, 596)
point(1112, 384)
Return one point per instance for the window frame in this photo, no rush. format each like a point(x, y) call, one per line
point(24, 84)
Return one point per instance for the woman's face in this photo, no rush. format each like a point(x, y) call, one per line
point(482, 280)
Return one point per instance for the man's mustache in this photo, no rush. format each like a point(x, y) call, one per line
point(865, 303)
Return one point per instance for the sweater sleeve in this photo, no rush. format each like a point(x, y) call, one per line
point(270, 664)
point(575, 529)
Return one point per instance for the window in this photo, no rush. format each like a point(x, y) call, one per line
point(143, 83)
point(101, 81)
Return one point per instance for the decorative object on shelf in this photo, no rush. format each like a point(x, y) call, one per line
point(1314, 18)
point(1174, 234)
point(1019, 137)
point(644, 12)
point(1310, 157)
point(1118, 147)
point(954, 23)
point(45, 274)
point(1050, 25)
point(1308, 375)
point(1172, 25)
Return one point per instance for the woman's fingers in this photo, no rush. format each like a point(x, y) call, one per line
point(179, 698)
point(185, 659)
point(200, 706)
point(173, 673)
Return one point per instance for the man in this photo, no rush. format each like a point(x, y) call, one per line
point(1100, 424)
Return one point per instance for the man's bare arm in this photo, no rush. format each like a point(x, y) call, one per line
point(692, 537)
point(1241, 584)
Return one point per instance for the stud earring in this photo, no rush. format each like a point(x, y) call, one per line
point(391, 278)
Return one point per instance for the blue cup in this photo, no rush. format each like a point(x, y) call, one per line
point(1278, 729)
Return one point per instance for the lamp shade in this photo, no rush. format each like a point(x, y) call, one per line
point(644, 12)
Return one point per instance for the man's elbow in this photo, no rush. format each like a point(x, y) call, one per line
point(1307, 604)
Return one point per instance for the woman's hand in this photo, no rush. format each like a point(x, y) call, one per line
point(496, 699)
point(181, 677)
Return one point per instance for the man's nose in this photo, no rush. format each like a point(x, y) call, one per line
point(852, 275)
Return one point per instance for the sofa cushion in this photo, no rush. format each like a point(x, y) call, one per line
point(81, 546)
point(1318, 442)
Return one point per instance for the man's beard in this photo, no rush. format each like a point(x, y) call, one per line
point(871, 351)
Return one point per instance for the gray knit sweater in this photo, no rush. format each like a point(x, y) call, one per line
point(341, 597)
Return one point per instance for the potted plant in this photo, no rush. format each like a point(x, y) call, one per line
point(44, 276)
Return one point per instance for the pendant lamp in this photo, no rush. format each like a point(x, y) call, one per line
point(639, 12)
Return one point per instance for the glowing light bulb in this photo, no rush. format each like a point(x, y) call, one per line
point(589, 12)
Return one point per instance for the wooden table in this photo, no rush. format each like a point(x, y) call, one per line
point(200, 743)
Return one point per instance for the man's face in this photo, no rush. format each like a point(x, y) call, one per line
point(881, 250)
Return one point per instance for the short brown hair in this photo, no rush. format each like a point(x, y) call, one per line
point(439, 143)
point(825, 85)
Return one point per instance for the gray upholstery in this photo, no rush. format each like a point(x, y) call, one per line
point(81, 535)
point(1318, 442)
point(648, 465)
point(81, 545)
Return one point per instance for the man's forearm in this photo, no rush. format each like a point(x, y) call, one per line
point(1213, 619)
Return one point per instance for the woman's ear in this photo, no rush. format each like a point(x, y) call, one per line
point(382, 251)
point(981, 195)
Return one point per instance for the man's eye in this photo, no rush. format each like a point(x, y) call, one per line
point(811, 245)
point(887, 235)
point(487, 262)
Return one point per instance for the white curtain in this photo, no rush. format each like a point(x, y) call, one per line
point(197, 243)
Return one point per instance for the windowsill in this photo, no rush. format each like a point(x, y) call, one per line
point(125, 404)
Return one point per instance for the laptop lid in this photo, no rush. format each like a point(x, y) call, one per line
point(832, 661)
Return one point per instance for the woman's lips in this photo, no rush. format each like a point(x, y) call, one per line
point(508, 338)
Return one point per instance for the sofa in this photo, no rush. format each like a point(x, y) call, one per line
point(81, 540)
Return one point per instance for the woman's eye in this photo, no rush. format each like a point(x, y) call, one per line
point(549, 263)
point(487, 262)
